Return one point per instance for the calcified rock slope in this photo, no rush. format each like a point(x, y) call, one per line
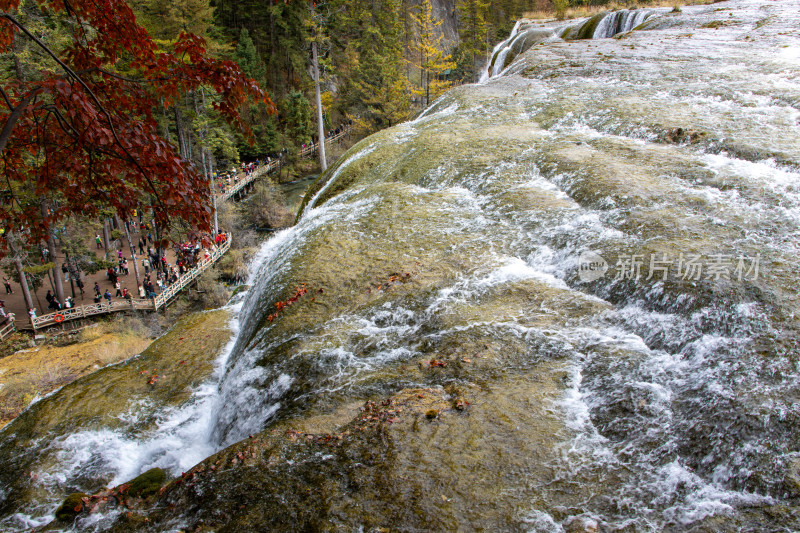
point(435, 273)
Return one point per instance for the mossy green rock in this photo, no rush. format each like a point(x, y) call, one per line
point(240, 289)
point(72, 507)
point(378, 466)
point(587, 30)
point(147, 483)
point(162, 376)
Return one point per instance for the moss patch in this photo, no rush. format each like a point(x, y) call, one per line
point(147, 483)
point(34, 372)
point(163, 376)
point(73, 506)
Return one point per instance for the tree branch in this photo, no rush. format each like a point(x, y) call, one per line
point(78, 79)
point(16, 113)
point(5, 97)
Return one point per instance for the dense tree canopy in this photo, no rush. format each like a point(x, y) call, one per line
point(99, 112)
point(79, 133)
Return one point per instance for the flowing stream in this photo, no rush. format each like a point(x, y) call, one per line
point(596, 247)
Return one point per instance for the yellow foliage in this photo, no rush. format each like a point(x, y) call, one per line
point(432, 61)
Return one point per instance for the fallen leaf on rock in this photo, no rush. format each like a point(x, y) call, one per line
point(462, 404)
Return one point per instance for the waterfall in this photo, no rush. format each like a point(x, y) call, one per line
point(527, 34)
point(498, 49)
point(620, 22)
point(560, 300)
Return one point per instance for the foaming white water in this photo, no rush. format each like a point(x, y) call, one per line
point(541, 522)
point(349, 161)
point(178, 440)
point(653, 381)
point(620, 22)
point(244, 407)
point(434, 111)
point(503, 45)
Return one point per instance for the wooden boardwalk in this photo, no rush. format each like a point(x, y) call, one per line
point(134, 304)
point(9, 328)
point(264, 170)
point(160, 301)
point(248, 179)
point(311, 149)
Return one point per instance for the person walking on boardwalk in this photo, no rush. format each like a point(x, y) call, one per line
point(107, 296)
point(7, 283)
point(97, 289)
point(98, 241)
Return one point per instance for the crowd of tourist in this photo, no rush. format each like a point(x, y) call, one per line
point(159, 273)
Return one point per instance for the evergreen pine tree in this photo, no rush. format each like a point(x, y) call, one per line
point(247, 57)
point(298, 117)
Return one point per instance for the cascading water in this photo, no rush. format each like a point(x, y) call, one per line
point(585, 266)
point(610, 24)
point(525, 36)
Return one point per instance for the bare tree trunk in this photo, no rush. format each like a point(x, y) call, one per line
point(106, 237)
point(133, 259)
point(51, 247)
point(179, 128)
point(167, 136)
point(23, 281)
point(71, 270)
point(207, 166)
point(188, 136)
point(320, 126)
point(120, 224)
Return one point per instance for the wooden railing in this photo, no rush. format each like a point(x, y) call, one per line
point(9, 328)
point(312, 148)
point(74, 313)
point(170, 292)
point(135, 304)
point(160, 301)
point(245, 180)
point(307, 151)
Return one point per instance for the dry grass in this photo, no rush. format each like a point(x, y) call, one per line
point(34, 372)
point(211, 293)
point(587, 11)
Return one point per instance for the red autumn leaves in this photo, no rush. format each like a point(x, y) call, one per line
point(299, 292)
point(85, 131)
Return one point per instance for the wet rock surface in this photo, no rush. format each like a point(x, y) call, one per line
point(561, 300)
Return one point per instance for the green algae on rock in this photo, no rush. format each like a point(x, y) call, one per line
point(161, 377)
point(72, 507)
point(425, 351)
point(147, 483)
